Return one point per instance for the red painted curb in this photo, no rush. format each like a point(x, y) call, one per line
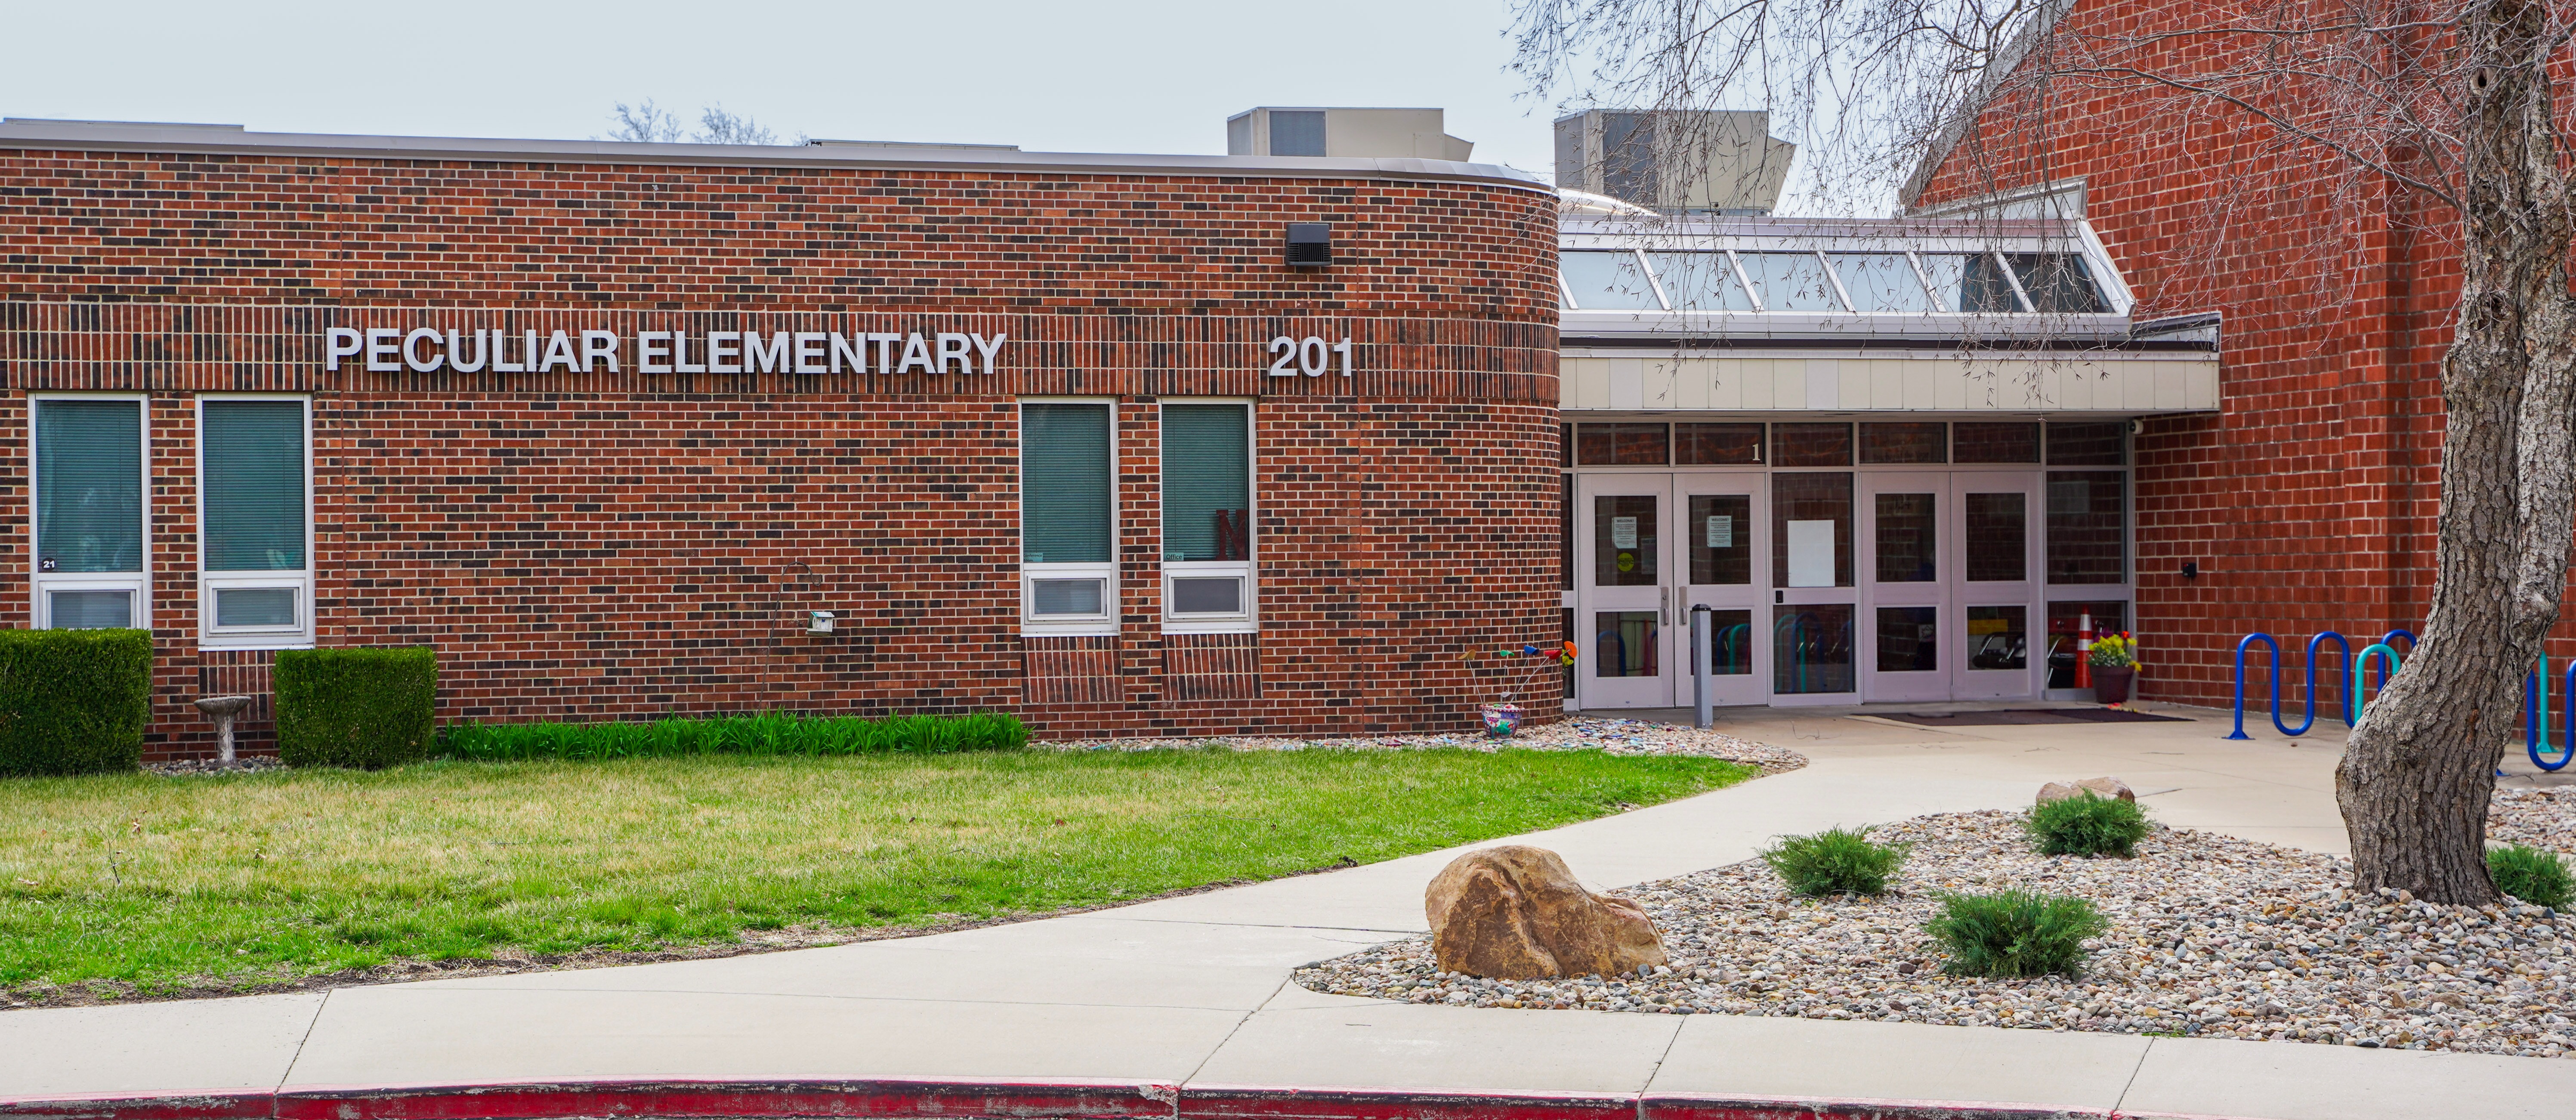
point(972, 1098)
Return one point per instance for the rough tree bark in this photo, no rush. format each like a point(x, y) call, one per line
point(2415, 779)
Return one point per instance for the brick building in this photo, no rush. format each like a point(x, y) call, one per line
point(612, 426)
point(2308, 499)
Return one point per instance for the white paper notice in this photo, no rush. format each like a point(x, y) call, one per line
point(1721, 532)
point(1811, 554)
point(1623, 532)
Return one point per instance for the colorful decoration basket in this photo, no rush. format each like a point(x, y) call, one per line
point(1502, 719)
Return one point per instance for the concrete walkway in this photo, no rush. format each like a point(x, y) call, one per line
point(1178, 1000)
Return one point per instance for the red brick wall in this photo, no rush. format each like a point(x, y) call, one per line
point(594, 546)
point(2309, 501)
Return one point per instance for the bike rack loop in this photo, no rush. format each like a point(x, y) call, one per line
point(2242, 645)
point(2535, 716)
point(2313, 646)
point(2390, 666)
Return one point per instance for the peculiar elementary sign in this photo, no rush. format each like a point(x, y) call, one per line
point(428, 350)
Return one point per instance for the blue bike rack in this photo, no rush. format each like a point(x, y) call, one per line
point(2389, 665)
point(2535, 716)
point(2347, 711)
point(2243, 644)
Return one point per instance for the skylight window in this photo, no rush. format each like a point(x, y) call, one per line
point(1969, 282)
point(1608, 281)
point(1700, 282)
point(1790, 281)
point(1881, 282)
point(2057, 282)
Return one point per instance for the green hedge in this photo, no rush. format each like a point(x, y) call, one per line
point(73, 701)
point(358, 707)
point(773, 733)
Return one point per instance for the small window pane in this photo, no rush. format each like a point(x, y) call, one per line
point(1066, 596)
point(1968, 282)
point(1811, 530)
point(1064, 484)
point(1905, 443)
point(2065, 623)
point(2087, 538)
point(1700, 282)
point(1998, 528)
point(1207, 482)
point(1623, 644)
point(1905, 539)
point(2088, 445)
point(2057, 282)
point(1207, 596)
point(1608, 282)
point(255, 606)
point(1622, 445)
point(1909, 639)
point(1999, 637)
point(1298, 133)
point(254, 499)
point(1811, 648)
point(1625, 540)
point(1880, 282)
point(90, 610)
point(1790, 281)
point(89, 486)
point(1994, 443)
point(1811, 445)
point(1730, 640)
point(1716, 445)
point(1721, 539)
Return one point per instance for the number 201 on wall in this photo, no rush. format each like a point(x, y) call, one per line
point(1309, 355)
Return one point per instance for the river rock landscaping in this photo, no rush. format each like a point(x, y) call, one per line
point(2209, 936)
point(1610, 736)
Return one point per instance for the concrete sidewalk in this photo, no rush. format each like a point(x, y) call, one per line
point(1183, 1006)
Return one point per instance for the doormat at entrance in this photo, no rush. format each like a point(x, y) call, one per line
point(2033, 715)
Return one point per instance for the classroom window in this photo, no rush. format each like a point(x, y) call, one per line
point(1068, 574)
point(1207, 513)
point(255, 515)
point(90, 544)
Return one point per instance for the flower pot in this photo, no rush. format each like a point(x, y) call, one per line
point(2111, 686)
point(1502, 719)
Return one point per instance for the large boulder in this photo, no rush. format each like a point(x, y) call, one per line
point(2106, 787)
point(1516, 913)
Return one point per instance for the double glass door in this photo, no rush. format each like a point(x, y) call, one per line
point(1823, 587)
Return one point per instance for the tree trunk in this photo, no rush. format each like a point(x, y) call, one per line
point(2416, 776)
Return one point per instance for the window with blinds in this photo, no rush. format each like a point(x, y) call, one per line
point(256, 583)
point(1066, 508)
point(89, 486)
point(1207, 515)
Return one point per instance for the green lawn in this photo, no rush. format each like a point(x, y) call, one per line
point(167, 883)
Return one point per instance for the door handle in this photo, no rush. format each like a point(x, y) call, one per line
point(1664, 611)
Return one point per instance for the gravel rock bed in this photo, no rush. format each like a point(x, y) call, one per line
point(1614, 736)
point(2209, 936)
point(193, 766)
point(2542, 818)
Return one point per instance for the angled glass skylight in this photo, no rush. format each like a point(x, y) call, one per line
point(1608, 281)
point(1700, 281)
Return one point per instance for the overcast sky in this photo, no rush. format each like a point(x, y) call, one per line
point(1136, 76)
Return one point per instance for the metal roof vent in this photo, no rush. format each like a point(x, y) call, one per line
point(1310, 243)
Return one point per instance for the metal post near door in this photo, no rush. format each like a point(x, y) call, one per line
point(1703, 665)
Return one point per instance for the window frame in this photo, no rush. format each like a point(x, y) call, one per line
point(40, 583)
point(209, 582)
point(1106, 622)
point(1248, 619)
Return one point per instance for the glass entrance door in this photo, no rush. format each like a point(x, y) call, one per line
point(1719, 566)
point(1908, 573)
point(1814, 596)
point(1624, 598)
point(1998, 562)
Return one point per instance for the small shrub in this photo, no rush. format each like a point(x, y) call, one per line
point(1837, 860)
point(767, 733)
point(73, 701)
point(2088, 825)
point(2534, 875)
point(2014, 933)
point(356, 707)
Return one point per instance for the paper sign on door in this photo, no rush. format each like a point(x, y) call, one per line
point(1811, 554)
point(1721, 532)
point(1623, 532)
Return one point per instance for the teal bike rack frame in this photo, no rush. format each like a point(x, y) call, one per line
point(2535, 716)
point(2360, 699)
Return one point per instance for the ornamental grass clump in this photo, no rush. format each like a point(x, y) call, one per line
point(2088, 824)
point(2534, 875)
point(2014, 933)
point(1836, 861)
